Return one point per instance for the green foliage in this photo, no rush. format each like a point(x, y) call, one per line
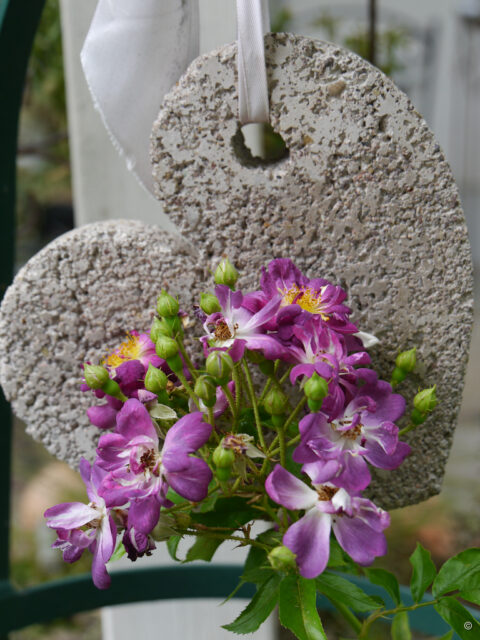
point(172, 546)
point(401, 627)
point(342, 590)
point(298, 608)
point(387, 580)
point(258, 609)
point(423, 572)
point(460, 573)
point(228, 512)
point(203, 549)
point(459, 618)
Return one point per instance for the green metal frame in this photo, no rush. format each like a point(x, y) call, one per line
point(18, 23)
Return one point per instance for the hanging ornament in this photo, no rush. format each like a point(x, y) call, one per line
point(363, 196)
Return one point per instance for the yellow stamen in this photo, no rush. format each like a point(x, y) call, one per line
point(306, 298)
point(130, 349)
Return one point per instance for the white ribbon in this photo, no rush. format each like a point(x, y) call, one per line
point(253, 22)
point(136, 50)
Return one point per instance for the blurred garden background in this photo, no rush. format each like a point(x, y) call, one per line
point(431, 49)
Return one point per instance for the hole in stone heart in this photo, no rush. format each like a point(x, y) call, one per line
point(257, 144)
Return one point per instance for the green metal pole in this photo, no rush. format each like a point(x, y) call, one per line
point(18, 24)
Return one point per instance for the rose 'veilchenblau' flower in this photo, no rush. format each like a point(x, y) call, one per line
point(236, 328)
point(137, 544)
point(137, 346)
point(100, 534)
point(139, 472)
point(356, 522)
point(283, 281)
point(364, 431)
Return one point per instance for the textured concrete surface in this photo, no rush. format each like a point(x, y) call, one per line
point(365, 198)
point(73, 302)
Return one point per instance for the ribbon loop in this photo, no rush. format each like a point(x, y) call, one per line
point(253, 21)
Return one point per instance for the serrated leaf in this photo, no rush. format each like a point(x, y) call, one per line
point(172, 546)
point(401, 627)
point(472, 596)
point(336, 558)
point(423, 572)
point(459, 618)
point(387, 580)
point(342, 590)
point(461, 572)
point(228, 512)
point(258, 609)
point(203, 549)
point(298, 608)
point(162, 412)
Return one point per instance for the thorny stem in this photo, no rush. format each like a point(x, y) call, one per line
point(187, 387)
point(389, 612)
point(186, 358)
point(253, 400)
point(238, 389)
point(231, 401)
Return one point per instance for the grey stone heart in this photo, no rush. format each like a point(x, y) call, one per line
point(365, 198)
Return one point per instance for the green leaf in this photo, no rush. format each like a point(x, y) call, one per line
point(172, 546)
point(346, 592)
point(423, 573)
point(203, 549)
point(298, 608)
point(447, 636)
point(258, 609)
point(257, 568)
point(228, 512)
point(401, 627)
point(174, 497)
point(472, 595)
point(336, 558)
point(119, 552)
point(387, 580)
point(459, 618)
point(461, 572)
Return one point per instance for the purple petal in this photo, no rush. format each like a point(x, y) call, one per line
point(134, 420)
point(322, 471)
point(143, 515)
point(355, 475)
point(102, 416)
point(100, 577)
point(237, 350)
point(309, 539)
point(301, 370)
point(191, 483)
point(378, 458)
point(287, 490)
point(112, 451)
point(359, 540)
point(69, 515)
point(186, 436)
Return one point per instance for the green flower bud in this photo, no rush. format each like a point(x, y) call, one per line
point(175, 363)
point(316, 388)
point(223, 458)
point(223, 473)
point(314, 405)
point(209, 303)
point(167, 306)
point(166, 347)
point(226, 273)
point(111, 388)
point(275, 402)
point(206, 390)
point(155, 380)
point(170, 327)
point(155, 330)
point(398, 376)
point(219, 365)
point(417, 417)
point(282, 558)
point(406, 360)
point(426, 400)
point(95, 376)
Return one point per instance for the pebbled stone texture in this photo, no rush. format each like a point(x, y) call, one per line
point(365, 198)
point(73, 302)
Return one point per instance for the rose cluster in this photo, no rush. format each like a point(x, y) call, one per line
point(178, 431)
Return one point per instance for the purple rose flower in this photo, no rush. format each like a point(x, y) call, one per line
point(139, 472)
point(137, 346)
point(283, 281)
point(100, 534)
point(356, 522)
point(236, 328)
point(364, 431)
